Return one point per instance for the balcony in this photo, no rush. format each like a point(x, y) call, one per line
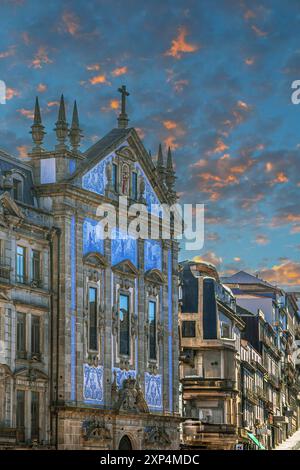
point(274, 380)
point(209, 384)
point(260, 392)
point(250, 396)
point(193, 431)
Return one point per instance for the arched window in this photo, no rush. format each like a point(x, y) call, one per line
point(124, 340)
point(125, 443)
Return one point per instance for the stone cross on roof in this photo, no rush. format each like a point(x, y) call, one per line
point(123, 119)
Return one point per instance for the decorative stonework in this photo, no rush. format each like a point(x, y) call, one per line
point(122, 374)
point(153, 391)
point(95, 430)
point(156, 436)
point(130, 397)
point(123, 247)
point(96, 179)
point(93, 384)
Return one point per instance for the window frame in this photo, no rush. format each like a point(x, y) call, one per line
point(152, 358)
point(128, 350)
point(21, 278)
point(96, 336)
point(190, 322)
point(21, 353)
point(134, 185)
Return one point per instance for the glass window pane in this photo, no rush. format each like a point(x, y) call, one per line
point(21, 334)
point(34, 415)
point(35, 334)
point(20, 409)
point(115, 177)
point(152, 329)
point(134, 185)
point(20, 264)
point(124, 325)
point(35, 265)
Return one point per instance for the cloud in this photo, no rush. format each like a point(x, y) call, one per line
point(119, 71)
point(93, 67)
point(258, 31)
point(286, 273)
point(169, 124)
point(41, 58)
point(262, 240)
point(209, 257)
point(180, 45)
point(11, 93)
point(23, 151)
point(71, 23)
point(10, 52)
point(28, 113)
point(98, 79)
point(41, 88)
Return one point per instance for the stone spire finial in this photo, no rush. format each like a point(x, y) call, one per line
point(160, 167)
point(37, 129)
point(75, 131)
point(61, 126)
point(170, 175)
point(123, 118)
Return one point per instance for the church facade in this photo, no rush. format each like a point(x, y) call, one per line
point(89, 328)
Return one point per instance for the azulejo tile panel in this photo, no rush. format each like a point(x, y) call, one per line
point(122, 375)
point(123, 247)
point(95, 179)
point(153, 255)
point(93, 239)
point(153, 391)
point(93, 384)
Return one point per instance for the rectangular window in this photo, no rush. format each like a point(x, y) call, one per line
point(115, 177)
point(134, 185)
point(225, 330)
point(35, 265)
point(188, 329)
point(17, 189)
point(21, 264)
point(124, 325)
point(152, 329)
point(21, 335)
point(35, 334)
point(20, 414)
point(93, 343)
point(35, 415)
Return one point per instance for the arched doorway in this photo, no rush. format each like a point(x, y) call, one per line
point(125, 443)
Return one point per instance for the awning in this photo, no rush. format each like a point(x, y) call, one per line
point(256, 441)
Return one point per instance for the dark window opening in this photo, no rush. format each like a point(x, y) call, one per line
point(152, 329)
point(93, 339)
point(21, 335)
point(35, 334)
point(115, 177)
point(134, 188)
point(34, 415)
point(188, 329)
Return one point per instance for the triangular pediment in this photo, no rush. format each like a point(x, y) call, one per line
point(125, 267)
point(155, 276)
point(31, 373)
point(127, 145)
point(96, 260)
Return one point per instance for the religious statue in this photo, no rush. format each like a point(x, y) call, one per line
point(125, 179)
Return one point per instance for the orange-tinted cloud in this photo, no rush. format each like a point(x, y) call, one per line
point(41, 88)
point(286, 273)
point(71, 23)
point(119, 71)
point(11, 93)
point(249, 61)
point(28, 113)
point(98, 79)
point(41, 58)
point(50, 104)
point(23, 151)
point(219, 147)
point(169, 124)
point(209, 257)
point(280, 178)
point(170, 141)
point(180, 45)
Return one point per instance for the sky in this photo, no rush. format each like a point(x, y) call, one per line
point(209, 78)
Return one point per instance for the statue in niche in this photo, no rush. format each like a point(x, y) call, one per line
point(125, 179)
point(108, 171)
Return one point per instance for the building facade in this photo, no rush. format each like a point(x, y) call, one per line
point(210, 332)
point(102, 373)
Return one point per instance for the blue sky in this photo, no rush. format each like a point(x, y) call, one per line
point(211, 78)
